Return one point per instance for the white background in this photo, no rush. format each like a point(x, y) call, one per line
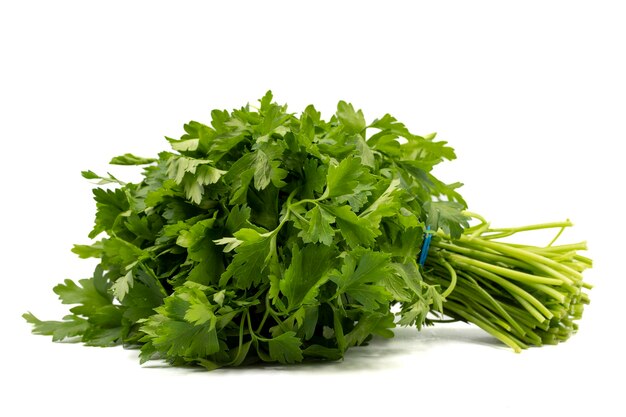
point(531, 95)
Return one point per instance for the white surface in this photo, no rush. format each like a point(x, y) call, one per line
point(531, 96)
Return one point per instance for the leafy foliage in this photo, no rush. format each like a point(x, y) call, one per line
point(263, 236)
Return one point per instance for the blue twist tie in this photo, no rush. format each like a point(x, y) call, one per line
point(425, 246)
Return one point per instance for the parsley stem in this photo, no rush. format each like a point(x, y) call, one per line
point(306, 200)
point(509, 273)
point(521, 294)
point(508, 231)
point(267, 312)
point(302, 219)
point(475, 292)
point(475, 216)
point(242, 324)
point(453, 279)
point(477, 251)
point(252, 334)
point(513, 289)
point(556, 237)
point(523, 254)
point(483, 324)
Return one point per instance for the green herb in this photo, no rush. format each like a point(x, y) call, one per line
point(267, 236)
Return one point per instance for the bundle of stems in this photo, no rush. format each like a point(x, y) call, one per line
point(523, 295)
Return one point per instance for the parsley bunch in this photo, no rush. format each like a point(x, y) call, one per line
point(273, 237)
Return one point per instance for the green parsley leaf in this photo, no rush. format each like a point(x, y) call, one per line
point(360, 278)
point(344, 177)
point(446, 215)
point(305, 274)
point(285, 348)
point(110, 205)
point(352, 121)
point(319, 227)
point(130, 159)
point(71, 326)
point(357, 231)
point(250, 262)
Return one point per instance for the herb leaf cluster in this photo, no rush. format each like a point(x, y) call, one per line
point(269, 236)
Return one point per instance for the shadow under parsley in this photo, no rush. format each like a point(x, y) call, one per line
point(378, 354)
